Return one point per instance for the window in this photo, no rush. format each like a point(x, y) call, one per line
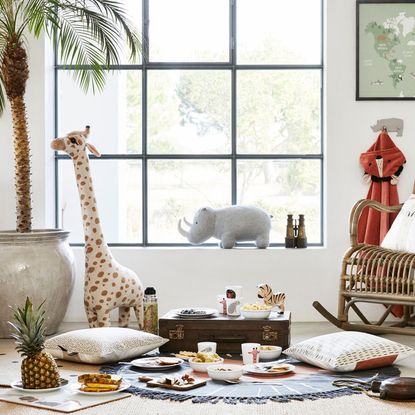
point(225, 107)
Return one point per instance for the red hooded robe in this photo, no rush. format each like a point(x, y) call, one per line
point(381, 161)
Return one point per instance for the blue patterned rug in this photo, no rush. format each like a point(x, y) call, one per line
point(306, 383)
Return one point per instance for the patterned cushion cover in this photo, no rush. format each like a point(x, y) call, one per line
point(348, 351)
point(102, 345)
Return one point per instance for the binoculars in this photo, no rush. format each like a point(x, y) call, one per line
point(295, 236)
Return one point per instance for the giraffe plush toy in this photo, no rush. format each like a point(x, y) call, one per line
point(108, 284)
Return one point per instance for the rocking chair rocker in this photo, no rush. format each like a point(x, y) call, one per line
point(372, 274)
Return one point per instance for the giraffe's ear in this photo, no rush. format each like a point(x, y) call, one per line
point(93, 149)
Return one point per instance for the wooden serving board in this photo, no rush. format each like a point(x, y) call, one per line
point(155, 384)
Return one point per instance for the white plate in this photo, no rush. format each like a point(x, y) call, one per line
point(207, 312)
point(18, 385)
point(123, 387)
point(261, 369)
point(150, 363)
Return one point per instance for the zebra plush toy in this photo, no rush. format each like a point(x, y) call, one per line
point(265, 292)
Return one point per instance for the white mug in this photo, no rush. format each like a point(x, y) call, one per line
point(206, 347)
point(250, 353)
point(233, 291)
point(233, 306)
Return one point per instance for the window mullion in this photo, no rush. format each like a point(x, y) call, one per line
point(145, 60)
point(232, 43)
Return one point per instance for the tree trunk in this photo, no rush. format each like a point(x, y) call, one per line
point(15, 74)
point(22, 166)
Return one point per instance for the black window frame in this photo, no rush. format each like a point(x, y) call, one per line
point(234, 156)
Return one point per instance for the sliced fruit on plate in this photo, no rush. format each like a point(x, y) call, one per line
point(99, 382)
point(183, 354)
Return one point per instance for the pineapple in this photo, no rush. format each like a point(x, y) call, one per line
point(39, 370)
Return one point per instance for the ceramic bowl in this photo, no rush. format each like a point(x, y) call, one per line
point(202, 366)
point(255, 314)
point(273, 353)
point(228, 372)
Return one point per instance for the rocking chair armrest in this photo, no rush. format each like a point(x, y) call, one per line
point(357, 211)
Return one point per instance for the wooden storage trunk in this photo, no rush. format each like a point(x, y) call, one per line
point(228, 332)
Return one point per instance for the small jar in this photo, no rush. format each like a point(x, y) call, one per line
point(150, 311)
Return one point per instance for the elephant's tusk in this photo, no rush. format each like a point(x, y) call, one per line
point(181, 230)
point(186, 221)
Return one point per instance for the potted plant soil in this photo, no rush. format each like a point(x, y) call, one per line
point(89, 35)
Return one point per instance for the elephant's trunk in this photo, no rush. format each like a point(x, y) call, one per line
point(186, 221)
point(181, 230)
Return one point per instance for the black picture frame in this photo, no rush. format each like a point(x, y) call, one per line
point(381, 87)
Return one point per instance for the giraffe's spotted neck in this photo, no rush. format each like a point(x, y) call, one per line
point(92, 224)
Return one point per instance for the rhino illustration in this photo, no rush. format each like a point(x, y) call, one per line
point(229, 225)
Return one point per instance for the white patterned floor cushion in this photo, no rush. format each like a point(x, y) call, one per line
point(102, 345)
point(348, 351)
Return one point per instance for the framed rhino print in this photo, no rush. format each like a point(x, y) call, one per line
point(385, 49)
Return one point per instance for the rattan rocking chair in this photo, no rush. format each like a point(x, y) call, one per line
point(371, 274)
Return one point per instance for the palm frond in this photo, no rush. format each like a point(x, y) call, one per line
point(99, 15)
point(3, 36)
point(7, 15)
point(2, 95)
point(119, 15)
point(34, 14)
point(89, 35)
point(103, 32)
point(77, 47)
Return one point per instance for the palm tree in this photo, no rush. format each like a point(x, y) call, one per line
point(89, 35)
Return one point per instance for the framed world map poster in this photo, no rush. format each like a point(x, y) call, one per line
point(385, 62)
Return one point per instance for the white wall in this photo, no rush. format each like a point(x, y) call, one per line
point(194, 276)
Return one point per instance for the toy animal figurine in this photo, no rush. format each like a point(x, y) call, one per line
point(108, 284)
point(230, 225)
point(391, 124)
point(254, 352)
point(265, 292)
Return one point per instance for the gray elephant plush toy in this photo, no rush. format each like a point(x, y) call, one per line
point(230, 225)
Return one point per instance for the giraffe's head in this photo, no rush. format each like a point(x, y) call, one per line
point(74, 143)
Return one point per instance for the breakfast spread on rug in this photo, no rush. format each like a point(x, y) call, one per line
point(263, 368)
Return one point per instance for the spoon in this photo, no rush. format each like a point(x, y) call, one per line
point(268, 365)
point(255, 382)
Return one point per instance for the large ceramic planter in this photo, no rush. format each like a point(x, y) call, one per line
point(39, 265)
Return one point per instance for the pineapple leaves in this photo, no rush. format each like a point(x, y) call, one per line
point(29, 328)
